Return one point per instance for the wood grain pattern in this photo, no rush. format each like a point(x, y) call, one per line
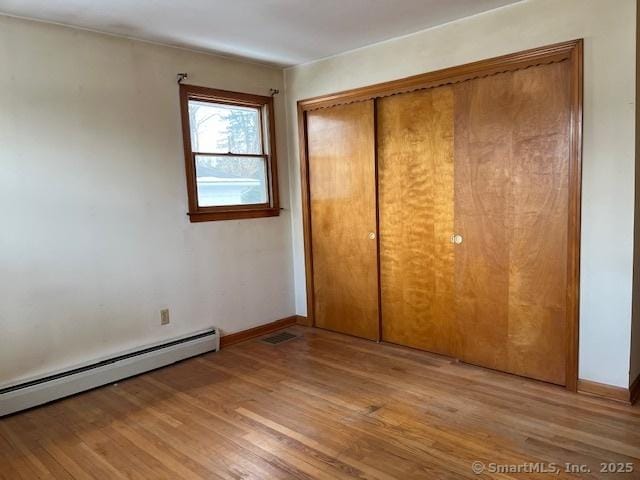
point(324, 406)
point(341, 156)
point(567, 52)
point(512, 158)
point(482, 154)
point(537, 222)
point(459, 73)
point(415, 172)
point(574, 210)
point(306, 215)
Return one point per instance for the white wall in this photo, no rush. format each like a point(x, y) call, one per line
point(94, 237)
point(608, 161)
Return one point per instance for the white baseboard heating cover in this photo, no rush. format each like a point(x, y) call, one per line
point(37, 391)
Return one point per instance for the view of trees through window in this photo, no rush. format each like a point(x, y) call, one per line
point(220, 128)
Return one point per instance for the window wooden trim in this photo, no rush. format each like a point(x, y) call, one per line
point(268, 134)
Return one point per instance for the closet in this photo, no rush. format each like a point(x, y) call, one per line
point(443, 215)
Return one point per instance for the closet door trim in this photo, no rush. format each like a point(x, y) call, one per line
point(506, 63)
point(572, 52)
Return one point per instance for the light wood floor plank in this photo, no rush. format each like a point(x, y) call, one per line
point(322, 406)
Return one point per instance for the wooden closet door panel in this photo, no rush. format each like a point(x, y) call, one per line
point(512, 156)
point(415, 171)
point(482, 158)
point(537, 222)
point(341, 155)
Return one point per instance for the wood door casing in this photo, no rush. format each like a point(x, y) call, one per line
point(342, 193)
point(415, 175)
point(512, 144)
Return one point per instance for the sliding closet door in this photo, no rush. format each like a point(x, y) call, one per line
point(342, 190)
point(416, 188)
point(511, 210)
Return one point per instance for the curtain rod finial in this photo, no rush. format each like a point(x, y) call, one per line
point(274, 91)
point(182, 76)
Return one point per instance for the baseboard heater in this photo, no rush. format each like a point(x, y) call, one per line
point(38, 391)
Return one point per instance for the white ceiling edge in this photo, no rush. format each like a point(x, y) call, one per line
point(246, 59)
point(187, 48)
point(406, 35)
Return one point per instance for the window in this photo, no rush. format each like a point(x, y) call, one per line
point(229, 156)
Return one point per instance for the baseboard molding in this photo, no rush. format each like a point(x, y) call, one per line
point(302, 320)
point(244, 335)
point(610, 392)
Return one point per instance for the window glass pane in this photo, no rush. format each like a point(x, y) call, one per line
point(231, 180)
point(220, 128)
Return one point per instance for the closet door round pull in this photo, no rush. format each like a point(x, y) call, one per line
point(372, 236)
point(456, 239)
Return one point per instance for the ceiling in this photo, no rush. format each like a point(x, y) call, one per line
point(279, 32)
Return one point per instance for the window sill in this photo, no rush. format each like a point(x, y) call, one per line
point(196, 217)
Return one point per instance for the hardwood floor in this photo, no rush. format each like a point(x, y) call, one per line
point(324, 406)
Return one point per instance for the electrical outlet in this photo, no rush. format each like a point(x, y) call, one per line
point(164, 316)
